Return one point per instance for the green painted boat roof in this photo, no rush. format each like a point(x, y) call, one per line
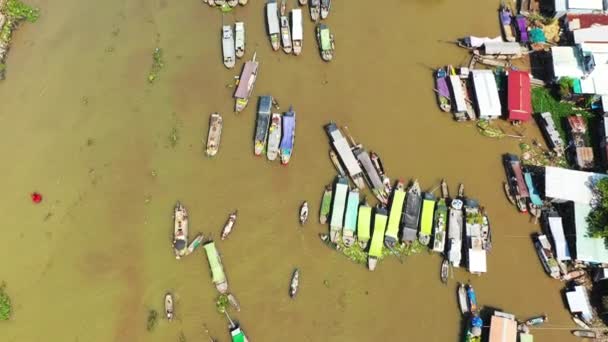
point(325, 39)
point(363, 224)
point(395, 214)
point(526, 338)
point(426, 223)
point(217, 270)
point(326, 203)
point(238, 335)
point(375, 249)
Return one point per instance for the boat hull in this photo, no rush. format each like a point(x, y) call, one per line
point(372, 262)
point(275, 41)
point(180, 231)
point(214, 135)
point(297, 47)
point(169, 306)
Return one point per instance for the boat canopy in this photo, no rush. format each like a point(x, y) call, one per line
point(502, 329)
point(520, 103)
point(227, 41)
point(502, 48)
point(289, 128)
point(343, 149)
point(247, 80)
point(325, 38)
point(272, 17)
point(458, 94)
point(516, 168)
point(523, 337)
point(337, 212)
point(375, 249)
point(370, 170)
point(395, 214)
point(411, 216)
point(578, 301)
point(265, 105)
point(364, 222)
point(296, 24)
point(476, 42)
point(238, 335)
point(486, 93)
point(350, 221)
point(534, 195)
point(557, 233)
point(217, 270)
point(477, 261)
point(428, 209)
point(522, 28)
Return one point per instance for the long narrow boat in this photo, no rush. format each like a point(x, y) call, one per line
point(198, 240)
point(545, 253)
point(462, 299)
point(295, 283)
point(337, 212)
point(372, 177)
point(472, 298)
point(325, 7)
point(377, 162)
point(297, 31)
point(315, 9)
point(350, 219)
point(239, 39)
point(286, 35)
point(508, 193)
point(445, 269)
point(272, 20)
point(364, 225)
point(169, 313)
point(262, 123)
point(214, 135)
point(392, 231)
point(325, 39)
point(217, 269)
point(325, 205)
point(237, 333)
point(516, 180)
point(246, 83)
point(180, 231)
point(426, 221)
point(283, 8)
point(476, 254)
point(443, 91)
point(486, 233)
point(228, 46)
point(303, 2)
point(336, 162)
point(274, 136)
point(289, 136)
point(505, 22)
point(455, 233)
point(346, 155)
point(375, 249)
point(232, 3)
point(440, 223)
point(411, 213)
point(584, 333)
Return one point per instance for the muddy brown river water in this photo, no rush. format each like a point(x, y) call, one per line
point(81, 124)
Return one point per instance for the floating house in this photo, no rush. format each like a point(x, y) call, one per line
point(486, 94)
point(518, 90)
point(586, 63)
point(503, 328)
point(578, 302)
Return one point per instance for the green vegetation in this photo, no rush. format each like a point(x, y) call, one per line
point(221, 303)
point(486, 129)
point(157, 64)
point(359, 256)
point(152, 319)
point(17, 11)
point(535, 155)
point(5, 304)
point(598, 217)
point(566, 87)
point(543, 101)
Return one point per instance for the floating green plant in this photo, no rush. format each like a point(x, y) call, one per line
point(17, 10)
point(157, 64)
point(5, 304)
point(221, 303)
point(152, 319)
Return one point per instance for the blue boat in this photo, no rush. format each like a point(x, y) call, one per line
point(350, 220)
point(534, 194)
point(289, 136)
point(472, 298)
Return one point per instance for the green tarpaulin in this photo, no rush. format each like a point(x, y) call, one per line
point(217, 270)
point(325, 40)
point(375, 250)
point(395, 214)
point(426, 224)
point(365, 217)
point(537, 36)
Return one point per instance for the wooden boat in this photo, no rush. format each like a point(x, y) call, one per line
point(375, 248)
point(472, 298)
point(229, 225)
point(426, 219)
point(445, 269)
point(508, 193)
point(228, 46)
point(315, 9)
point(283, 7)
point(462, 299)
point(169, 306)
point(461, 190)
point(336, 162)
point(236, 332)
point(239, 39)
point(289, 136)
point(442, 89)
point(297, 31)
point(445, 191)
point(584, 333)
point(303, 213)
point(198, 240)
point(545, 254)
point(573, 275)
point(326, 42)
point(377, 162)
point(411, 213)
point(505, 22)
point(325, 205)
point(338, 208)
point(440, 224)
point(262, 124)
point(486, 233)
point(346, 155)
point(395, 215)
point(215, 134)
point(286, 35)
point(246, 83)
point(272, 20)
point(374, 181)
point(364, 225)
point(274, 137)
point(476, 255)
point(232, 3)
point(516, 181)
point(350, 218)
point(232, 300)
point(536, 320)
point(582, 324)
point(325, 7)
point(295, 283)
point(180, 231)
point(455, 232)
point(217, 269)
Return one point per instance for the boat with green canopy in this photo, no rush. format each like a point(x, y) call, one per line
point(337, 212)
point(375, 249)
point(325, 205)
point(391, 238)
point(217, 269)
point(426, 222)
point(326, 42)
point(363, 224)
point(350, 219)
point(441, 220)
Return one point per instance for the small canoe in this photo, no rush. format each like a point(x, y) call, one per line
point(169, 306)
point(508, 193)
point(215, 134)
point(243, 2)
point(228, 46)
point(472, 298)
point(235, 303)
point(582, 324)
point(274, 137)
point(315, 9)
point(336, 162)
point(232, 3)
point(286, 35)
point(239, 39)
point(461, 190)
point(229, 225)
point(198, 240)
point(283, 7)
point(445, 268)
point(325, 205)
point(536, 321)
point(462, 299)
point(325, 7)
point(303, 213)
point(180, 231)
point(584, 333)
point(445, 191)
point(295, 283)
point(377, 162)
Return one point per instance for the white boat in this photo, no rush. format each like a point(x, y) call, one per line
point(545, 253)
point(274, 137)
point(315, 9)
point(462, 299)
point(286, 35)
point(303, 213)
point(229, 225)
point(325, 7)
point(297, 31)
point(228, 46)
point(295, 283)
point(215, 134)
point(272, 20)
point(239, 39)
point(169, 306)
point(243, 2)
point(232, 3)
point(455, 231)
point(180, 231)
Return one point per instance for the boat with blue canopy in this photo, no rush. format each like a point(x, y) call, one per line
point(392, 230)
point(337, 212)
point(350, 219)
point(364, 225)
point(533, 192)
point(289, 136)
point(375, 249)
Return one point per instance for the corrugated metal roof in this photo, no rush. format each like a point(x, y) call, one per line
point(584, 157)
point(520, 103)
point(458, 92)
point(566, 62)
point(557, 232)
point(578, 301)
point(570, 185)
point(502, 329)
point(486, 93)
point(581, 21)
point(347, 156)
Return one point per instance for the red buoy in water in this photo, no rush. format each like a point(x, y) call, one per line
point(36, 197)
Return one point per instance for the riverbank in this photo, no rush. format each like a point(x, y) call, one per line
point(12, 13)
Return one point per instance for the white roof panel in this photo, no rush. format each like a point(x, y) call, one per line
point(578, 301)
point(273, 17)
point(566, 62)
point(461, 105)
point(592, 5)
point(557, 232)
point(477, 261)
point(347, 156)
point(296, 24)
point(591, 34)
point(570, 185)
point(486, 93)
